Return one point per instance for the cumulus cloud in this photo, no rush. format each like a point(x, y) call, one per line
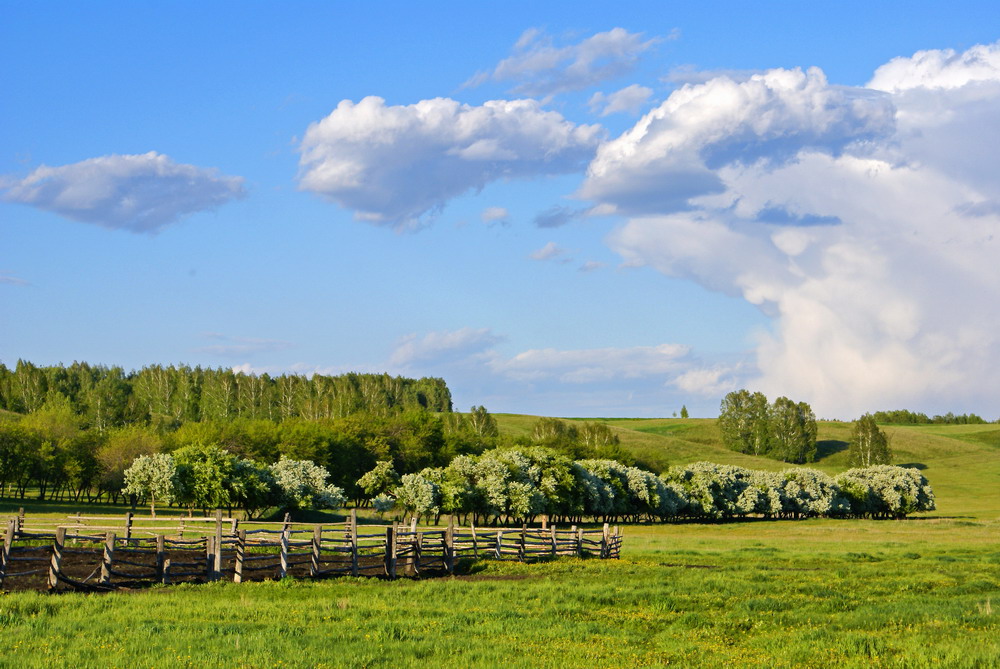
point(394, 164)
point(674, 152)
point(943, 69)
point(492, 215)
point(629, 100)
point(139, 193)
point(235, 347)
point(550, 251)
point(540, 68)
point(592, 365)
point(708, 381)
point(864, 222)
point(442, 347)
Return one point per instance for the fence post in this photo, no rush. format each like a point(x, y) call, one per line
point(109, 557)
point(354, 542)
point(555, 544)
point(545, 521)
point(604, 541)
point(8, 540)
point(55, 563)
point(579, 541)
point(218, 545)
point(475, 542)
point(210, 557)
point(499, 547)
point(449, 546)
point(284, 550)
point(418, 541)
point(160, 555)
point(128, 525)
point(390, 551)
point(241, 545)
point(317, 541)
point(166, 571)
point(20, 519)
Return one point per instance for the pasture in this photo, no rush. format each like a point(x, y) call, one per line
point(846, 593)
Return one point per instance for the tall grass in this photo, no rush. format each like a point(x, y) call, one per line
point(816, 593)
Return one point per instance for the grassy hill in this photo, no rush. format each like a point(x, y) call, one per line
point(962, 462)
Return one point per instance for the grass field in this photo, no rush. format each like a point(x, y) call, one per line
point(923, 592)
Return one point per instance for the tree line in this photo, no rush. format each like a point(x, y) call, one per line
point(52, 453)
point(168, 396)
point(906, 417)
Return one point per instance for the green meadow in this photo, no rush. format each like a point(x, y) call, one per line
point(922, 592)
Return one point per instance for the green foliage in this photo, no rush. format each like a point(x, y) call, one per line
point(905, 417)
point(252, 487)
point(684, 411)
point(206, 472)
point(784, 430)
point(745, 423)
point(380, 480)
point(869, 445)
point(482, 424)
point(119, 449)
point(792, 431)
point(106, 397)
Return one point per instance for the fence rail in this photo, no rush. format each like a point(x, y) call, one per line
point(97, 553)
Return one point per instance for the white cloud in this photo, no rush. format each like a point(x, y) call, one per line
point(540, 68)
point(236, 347)
point(708, 382)
point(139, 193)
point(495, 215)
point(442, 347)
point(671, 155)
point(550, 251)
point(591, 266)
point(394, 164)
point(939, 69)
point(592, 365)
point(867, 227)
point(629, 100)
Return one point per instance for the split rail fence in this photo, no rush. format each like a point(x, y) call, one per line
point(112, 552)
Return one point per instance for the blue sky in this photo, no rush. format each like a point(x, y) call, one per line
point(560, 209)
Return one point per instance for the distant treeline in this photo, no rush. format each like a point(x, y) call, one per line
point(904, 417)
point(56, 452)
point(106, 397)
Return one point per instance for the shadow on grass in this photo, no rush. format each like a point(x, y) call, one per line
point(913, 465)
point(828, 447)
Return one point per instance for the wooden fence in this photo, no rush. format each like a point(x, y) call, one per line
point(111, 552)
